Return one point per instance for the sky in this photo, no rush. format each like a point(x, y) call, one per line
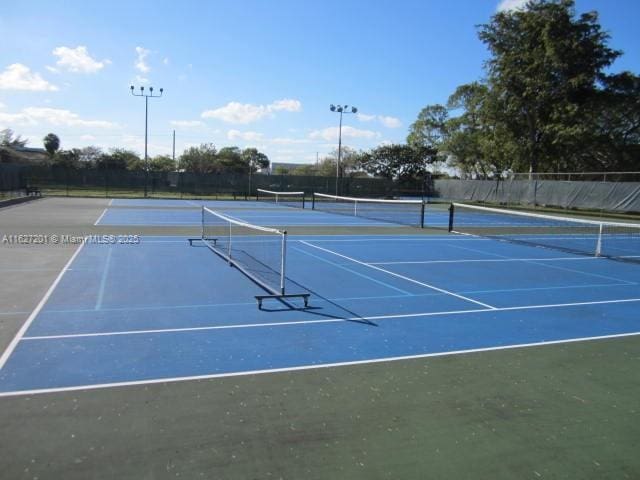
point(248, 73)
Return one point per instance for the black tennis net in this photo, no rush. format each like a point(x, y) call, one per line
point(616, 240)
point(403, 212)
point(286, 199)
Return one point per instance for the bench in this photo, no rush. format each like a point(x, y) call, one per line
point(32, 192)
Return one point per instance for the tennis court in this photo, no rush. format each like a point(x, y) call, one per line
point(162, 309)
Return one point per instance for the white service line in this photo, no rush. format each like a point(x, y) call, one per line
point(100, 217)
point(9, 350)
point(492, 260)
point(408, 279)
point(309, 367)
point(330, 320)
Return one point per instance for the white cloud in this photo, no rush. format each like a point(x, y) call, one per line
point(331, 133)
point(288, 141)
point(506, 5)
point(186, 123)
point(387, 121)
point(246, 136)
point(142, 80)
point(165, 61)
point(365, 118)
point(87, 138)
point(20, 77)
point(390, 122)
point(141, 64)
point(287, 104)
point(243, 113)
point(2, 105)
point(51, 116)
point(78, 60)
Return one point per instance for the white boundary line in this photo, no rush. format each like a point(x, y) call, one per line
point(328, 320)
point(309, 367)
point(14, 343)
point(408, 279)
point(110, 202)
point(100, 217)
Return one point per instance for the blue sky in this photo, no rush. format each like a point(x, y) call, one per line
point(247, 72)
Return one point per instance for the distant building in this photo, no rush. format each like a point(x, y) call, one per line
point(23, 155)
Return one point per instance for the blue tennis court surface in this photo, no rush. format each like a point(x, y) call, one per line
point(166, 310)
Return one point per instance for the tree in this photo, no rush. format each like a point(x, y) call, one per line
point(200, 159)
point(542, 73)
point(162, 163)
point(255, 159)
point(89, 156)
point(119, 159)
point(67, 158)
point(51, 144)
point(396, 161)
point(429, 129)
point(7, 139)
point(307, 170)
point(230, 160)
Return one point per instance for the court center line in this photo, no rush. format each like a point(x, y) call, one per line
point(462, 297)
point(362, 275)
point(100, 217)
point(326, 320)
point(103, 280)
point(25, 326)
point(311, 367)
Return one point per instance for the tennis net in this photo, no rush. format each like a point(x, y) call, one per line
point(258, 252)
point(576, 235)
point(287, 199)
point(404, 212)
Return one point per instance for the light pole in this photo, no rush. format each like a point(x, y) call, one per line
point(340, 109)
point(146, 128)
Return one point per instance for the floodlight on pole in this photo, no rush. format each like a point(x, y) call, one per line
point(146, 128)
point(341, 109)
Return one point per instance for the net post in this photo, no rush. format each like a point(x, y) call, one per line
point(313, 200)
point(202, 223)
point(283, 262)
point(599, 243)
point(229, 247)
point(355, 208)
point(303, 200)
point(422, 212)
point(451, 213)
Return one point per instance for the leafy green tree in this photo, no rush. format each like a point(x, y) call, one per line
point(200, 159)
point(89, 156)
point(162, 163)
point(542, 73)
point(51, 144)
point(255, 159)
point(67, 158)
point(281, 170)
point(120, 159)
point(396, 161)
point(305, 170)
point(230, 160)
point(9, 139)
point(429, 129)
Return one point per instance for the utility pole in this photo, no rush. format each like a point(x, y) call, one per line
point(174, 149)
point(146, 96)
